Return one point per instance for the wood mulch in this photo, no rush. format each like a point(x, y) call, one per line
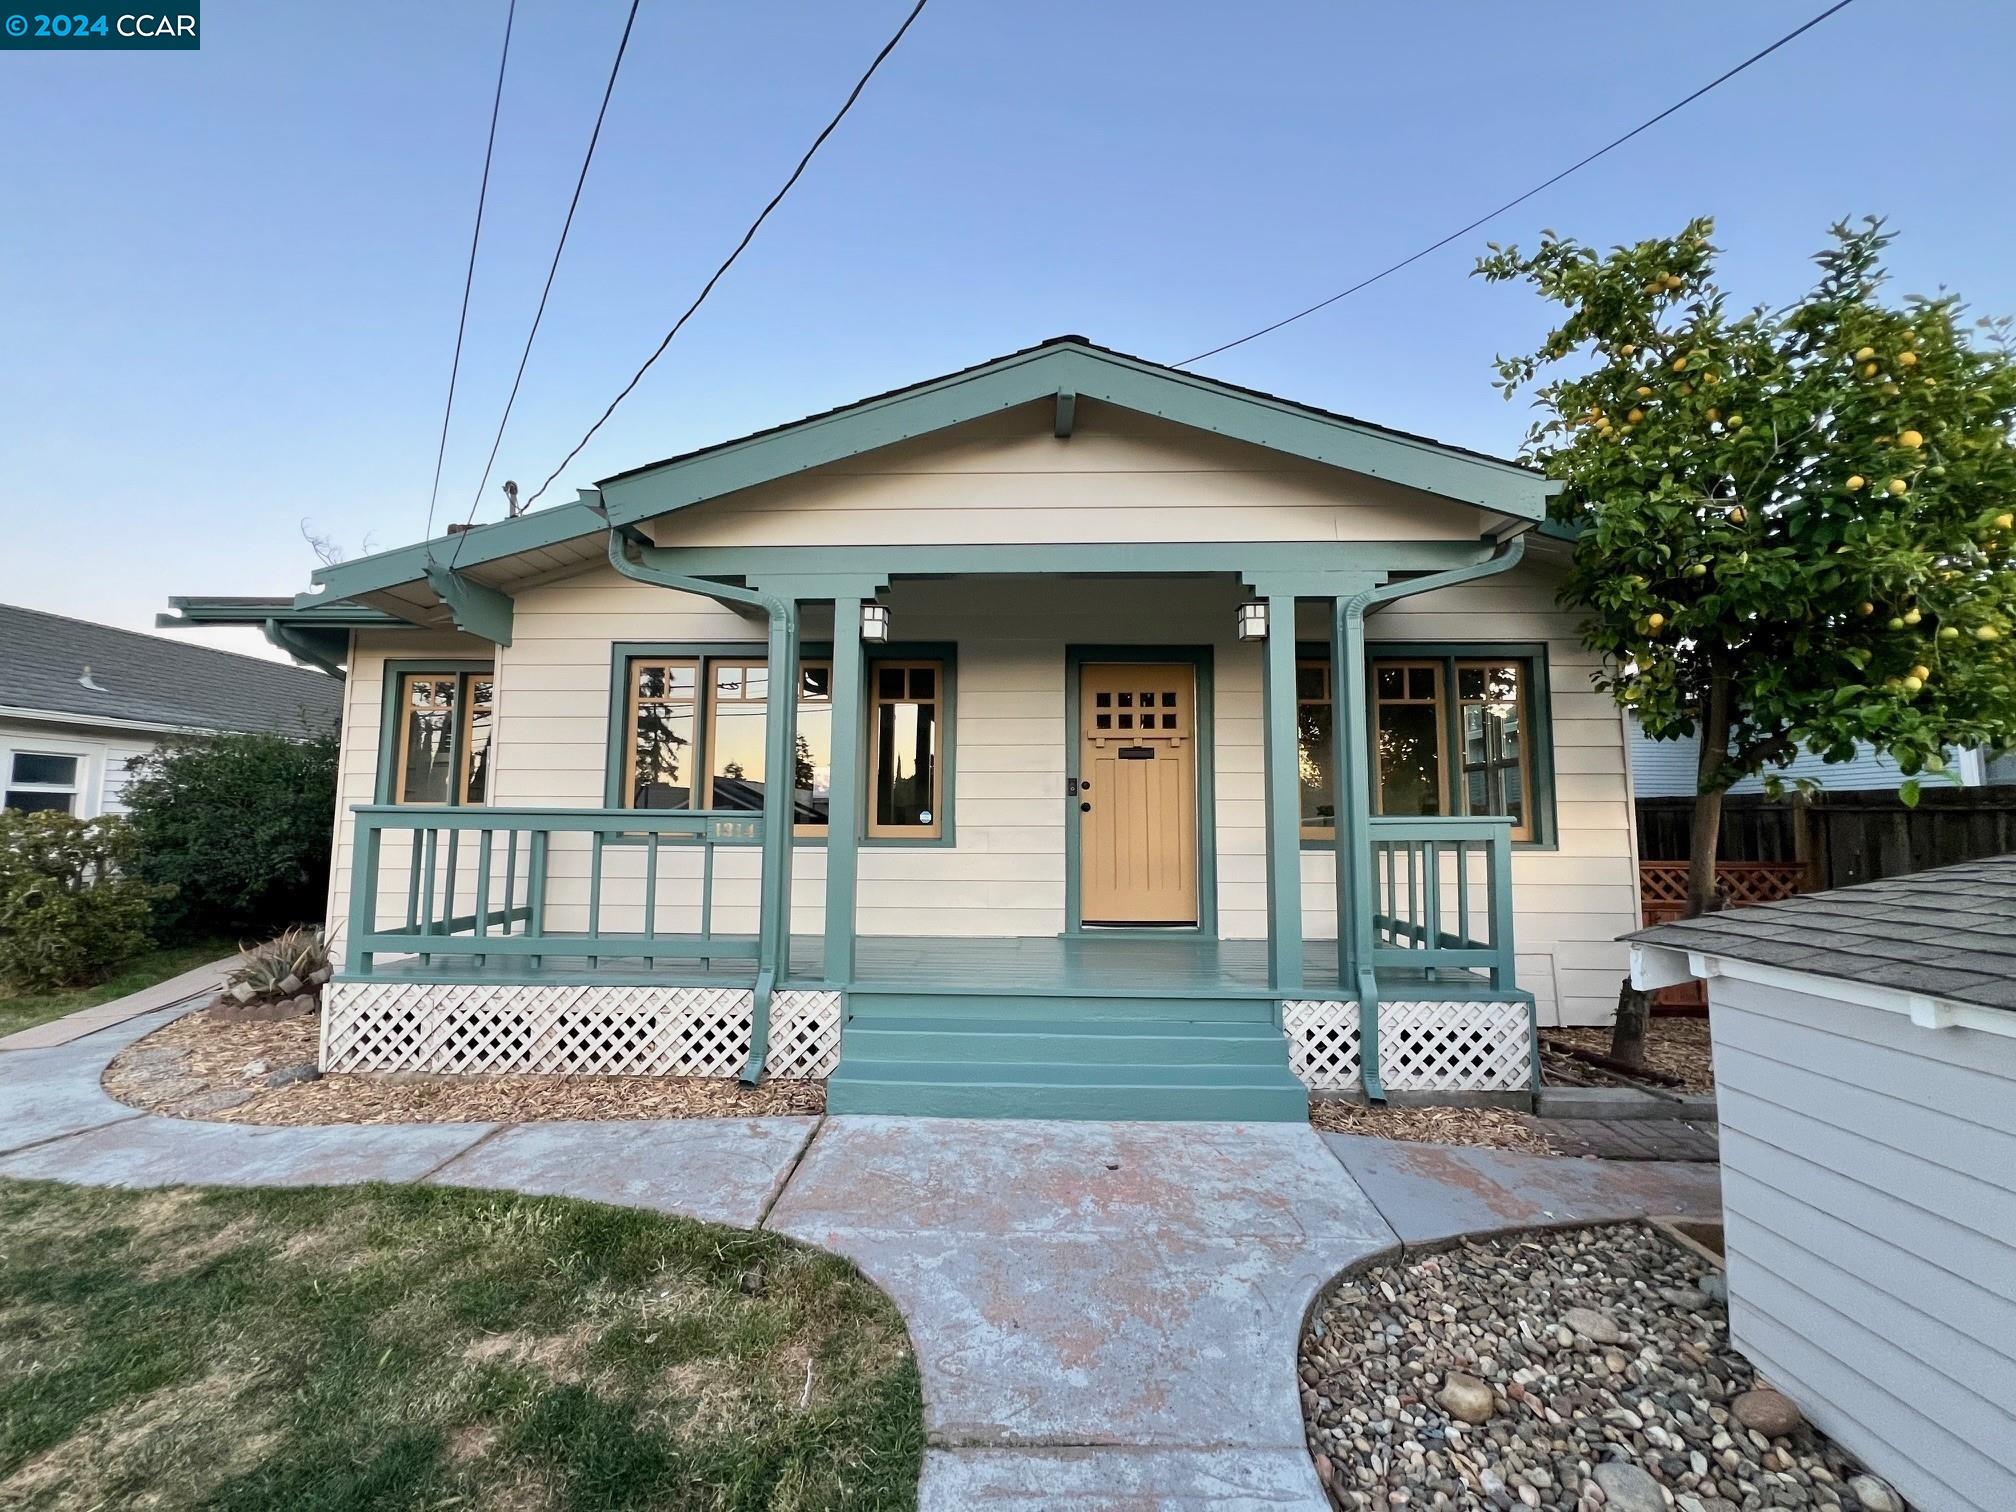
point(1673, 1044)
point(1494, 1128)
point(196, 1067)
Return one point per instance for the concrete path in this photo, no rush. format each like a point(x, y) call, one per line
point(1104, 1314)
point(197, 981)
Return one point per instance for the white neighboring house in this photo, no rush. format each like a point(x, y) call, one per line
point(79, 701)
point(1666, 768)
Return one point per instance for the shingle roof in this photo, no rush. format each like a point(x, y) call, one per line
point(151, 680)
point(1947, 933)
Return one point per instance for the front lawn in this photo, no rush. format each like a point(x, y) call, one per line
point(29, 1008)
point(411, 1347)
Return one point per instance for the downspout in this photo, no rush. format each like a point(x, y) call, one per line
point(1354, 869)
point(773, 944)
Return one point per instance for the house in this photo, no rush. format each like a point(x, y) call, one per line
point(1146, 738)
point(1865, 1065)
point(78, 702)
point(1670, 768)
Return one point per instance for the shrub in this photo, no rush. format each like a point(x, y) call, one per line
point(71, 909)
point(293, 963)
point(238, 828)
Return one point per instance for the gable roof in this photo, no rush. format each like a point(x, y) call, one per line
point(1061, 366)
point(1071, 365)
point(1946, 933)
point(152, 681)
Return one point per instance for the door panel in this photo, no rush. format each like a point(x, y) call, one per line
point(1137, 771)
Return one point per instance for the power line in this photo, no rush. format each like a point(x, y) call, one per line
point(1366, 283)
point(747, 237)
point(469, 277)
point(538, 315)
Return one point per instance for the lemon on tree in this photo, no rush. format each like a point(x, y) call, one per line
point(1817, 626)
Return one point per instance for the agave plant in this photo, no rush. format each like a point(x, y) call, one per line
point(294, 962)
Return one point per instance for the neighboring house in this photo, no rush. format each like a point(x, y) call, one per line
point(1670, 768)
point(1086, 656)
point(78, 702)
point(1865, 1066)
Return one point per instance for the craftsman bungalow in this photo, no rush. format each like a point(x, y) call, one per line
point(1141, 745)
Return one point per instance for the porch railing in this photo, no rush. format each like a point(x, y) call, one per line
point(511, 886)
point(1442, 897)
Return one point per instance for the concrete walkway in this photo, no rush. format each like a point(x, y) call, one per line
point(1104, 1314)
point(198, 980)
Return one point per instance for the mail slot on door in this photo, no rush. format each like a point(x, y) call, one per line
point(1137, 753)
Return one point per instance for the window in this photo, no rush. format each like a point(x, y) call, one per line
point(1449, 737)
point(695, 738)
point(42, 782)
point(903, 748)
point(443, 726)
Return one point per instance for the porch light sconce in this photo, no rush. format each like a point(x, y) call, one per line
point(875, 623)
point(1253, 620)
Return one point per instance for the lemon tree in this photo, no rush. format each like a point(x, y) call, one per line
point(1793, 526)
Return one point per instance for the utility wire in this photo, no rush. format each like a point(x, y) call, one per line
point(469, 278)
point(539, 314)
point(1366, 283)
point(747, 237)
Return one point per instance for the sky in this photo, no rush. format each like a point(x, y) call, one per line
point(229, 279)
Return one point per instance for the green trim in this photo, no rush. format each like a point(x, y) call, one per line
point(1089, 373)
point(846, 792)
point(1201, 658)
point(392, 717)
point(469, 548)
point(864, 566)
point(947, 652)
point(1539, 708)
point(476, 609)
point(192, 611)
point(1281, 771)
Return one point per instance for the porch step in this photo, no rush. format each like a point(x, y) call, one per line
point(966, 1067)
point(1018, 1006)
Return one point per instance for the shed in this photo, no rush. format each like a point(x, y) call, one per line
point(1865, 1061)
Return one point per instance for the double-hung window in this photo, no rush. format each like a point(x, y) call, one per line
point(1451, 734)
point(695, 737)
point(43, 782)
point(443, 722)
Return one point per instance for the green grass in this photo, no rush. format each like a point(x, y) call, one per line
point(28, 1008)
point(410, 1347)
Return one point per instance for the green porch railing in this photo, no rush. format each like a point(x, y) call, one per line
point(1441, 893)
point(520, 884)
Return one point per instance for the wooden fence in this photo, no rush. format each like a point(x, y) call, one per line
point(1842, 838)
point(1662, 897)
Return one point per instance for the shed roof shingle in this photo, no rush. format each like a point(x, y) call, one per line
point(1947, 933)
point(147, 679)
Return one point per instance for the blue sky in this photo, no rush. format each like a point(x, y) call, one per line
point(231, 276)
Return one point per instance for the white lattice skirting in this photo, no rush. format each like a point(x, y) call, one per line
point(1423, 1047)
point(572, 1030)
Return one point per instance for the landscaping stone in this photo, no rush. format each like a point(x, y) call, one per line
point(1643, 1423)
point(256, 1068)
point(286, 1076)
point(1769, 1412)
point(1876, 1494)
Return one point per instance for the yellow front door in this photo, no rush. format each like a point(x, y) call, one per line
point(1137, 798)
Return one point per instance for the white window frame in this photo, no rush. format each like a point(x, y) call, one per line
point(79, 789)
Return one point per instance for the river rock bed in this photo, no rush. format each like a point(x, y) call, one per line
point(1583, 1370)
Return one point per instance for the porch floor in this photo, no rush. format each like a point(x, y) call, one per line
point(1175, 966)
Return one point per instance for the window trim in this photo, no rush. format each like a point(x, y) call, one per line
point(1536, 711)
point(76, 788)
point(810, 653)
point(871, 711)
point(392, 726)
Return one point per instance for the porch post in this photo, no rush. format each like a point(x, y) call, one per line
point(843, 815)
point(1352, 759)
point(780, 787)
point(1283, 781)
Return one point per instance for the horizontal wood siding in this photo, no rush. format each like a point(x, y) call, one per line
point(1869, 1189)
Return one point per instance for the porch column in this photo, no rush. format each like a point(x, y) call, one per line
point(1351, 759)
point(780, 787)
point(1284, 800)
point(843, 815)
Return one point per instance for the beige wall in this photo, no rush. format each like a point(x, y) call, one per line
point(1120, 477)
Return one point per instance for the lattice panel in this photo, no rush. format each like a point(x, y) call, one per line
point(1322, 1042)
point(1455, 1047)
point(804, 1034)
point(576, 1030)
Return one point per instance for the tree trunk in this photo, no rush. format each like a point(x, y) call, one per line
point(1627, 1034)
point(1705, 843)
